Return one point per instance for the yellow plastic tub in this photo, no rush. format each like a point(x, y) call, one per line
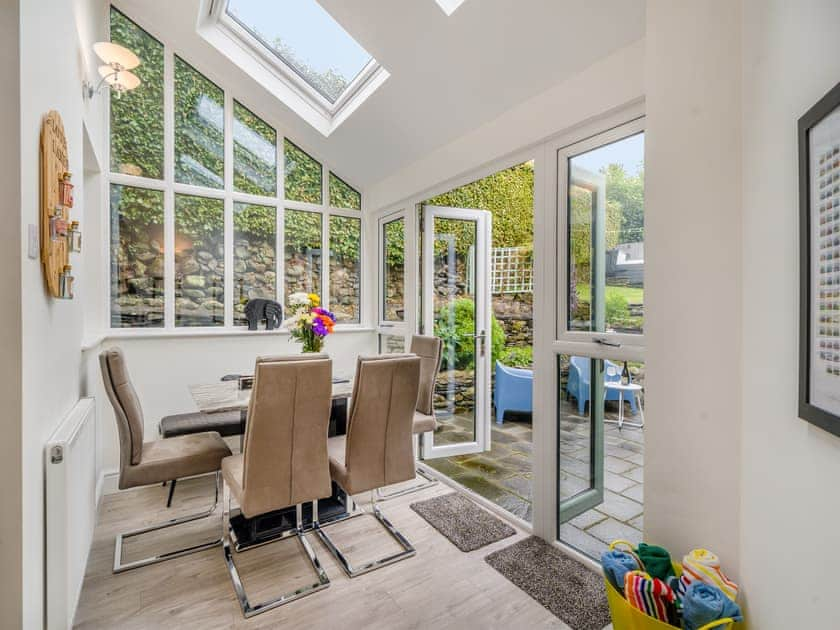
point(625, 617)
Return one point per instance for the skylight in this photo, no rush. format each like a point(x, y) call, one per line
point(307, 39)
point(296, 50)
point(449, 6)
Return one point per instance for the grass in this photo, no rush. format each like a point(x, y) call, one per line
point(633, 295)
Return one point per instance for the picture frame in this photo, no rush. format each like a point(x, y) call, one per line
point(819, 258)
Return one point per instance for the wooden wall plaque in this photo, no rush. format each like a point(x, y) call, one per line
point(55, 252)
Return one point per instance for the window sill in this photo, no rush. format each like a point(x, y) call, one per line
point(164, 333)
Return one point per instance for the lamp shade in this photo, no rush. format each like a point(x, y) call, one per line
point(116, 55)
point(120, 80)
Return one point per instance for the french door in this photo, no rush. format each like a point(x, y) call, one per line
point(455, 280)
point(598, 307)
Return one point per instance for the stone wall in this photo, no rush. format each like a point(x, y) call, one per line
point(515, 312)
point(137, 284)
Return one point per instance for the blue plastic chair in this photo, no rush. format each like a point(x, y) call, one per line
point(578, 383)
point(514, 390)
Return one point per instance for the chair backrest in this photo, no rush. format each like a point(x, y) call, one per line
point(126, 404)
point(430, 351)
point(379, 448)
point(285, 447)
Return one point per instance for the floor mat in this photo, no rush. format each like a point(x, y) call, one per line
point(465, 524)
point(564, 586)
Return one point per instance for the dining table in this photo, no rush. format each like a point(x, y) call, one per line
point(229, 395)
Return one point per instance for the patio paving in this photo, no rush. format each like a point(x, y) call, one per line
point(504, 473)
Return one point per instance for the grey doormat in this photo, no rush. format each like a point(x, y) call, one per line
point(564, 586)
point(466, 525)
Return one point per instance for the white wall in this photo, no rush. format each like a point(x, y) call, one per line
point(603, 87)
point(55, 52)
point(162, 368)
point(11, 528)
point(693, 302)
point(789, 469)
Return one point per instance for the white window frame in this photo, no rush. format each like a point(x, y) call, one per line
point(170, 188)
point(243, 48)
point(559, 154)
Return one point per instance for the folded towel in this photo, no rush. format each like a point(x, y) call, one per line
point(615, 564)
point(656, 560)
point(650, 595)
point(704, 603)
point(703, 565)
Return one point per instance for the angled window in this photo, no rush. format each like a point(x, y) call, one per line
point(304, 37)
point(199, 128)
point(254, 154)
point(342, 195)
point(302, 174)
point(298, 52)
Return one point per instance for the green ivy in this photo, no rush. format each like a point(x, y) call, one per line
point(199, 219)
point(199, 128)
point(342, 195)
point(253, 173)
point(254, 219)
point(137, 116)
point(507, 194)
point(302, 175)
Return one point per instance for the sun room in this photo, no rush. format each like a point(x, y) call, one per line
point(418, 314)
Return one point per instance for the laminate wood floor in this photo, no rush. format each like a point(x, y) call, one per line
point(440, 587)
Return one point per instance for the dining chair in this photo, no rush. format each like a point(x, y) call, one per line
point(430, 351)
point(377, 449)
point(146, 463)
point(284, 462)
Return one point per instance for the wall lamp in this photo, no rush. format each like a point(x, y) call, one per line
point(116, 71)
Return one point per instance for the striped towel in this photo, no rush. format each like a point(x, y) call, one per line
point(650, 595)
point(703, 565)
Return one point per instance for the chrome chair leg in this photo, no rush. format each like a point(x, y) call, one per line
point(119, 566)
point(417, 487)
point(248, 609)
point(349, 569)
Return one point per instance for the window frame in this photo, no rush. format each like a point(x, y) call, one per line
point(229, 196)
point(562, 154)
point(252, 55)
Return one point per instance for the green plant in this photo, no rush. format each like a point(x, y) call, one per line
point(518, 356)
point(455, 325)
point(617, 308)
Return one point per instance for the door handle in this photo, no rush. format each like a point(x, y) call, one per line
point(605, 342)
point(482, 337)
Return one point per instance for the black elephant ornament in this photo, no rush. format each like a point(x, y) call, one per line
point(257, 310)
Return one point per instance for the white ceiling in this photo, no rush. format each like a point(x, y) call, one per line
point(449, 75)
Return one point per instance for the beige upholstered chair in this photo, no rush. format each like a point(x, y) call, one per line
point(144, 463)
point(377, 450)
point(430, 351)
point(284, 462)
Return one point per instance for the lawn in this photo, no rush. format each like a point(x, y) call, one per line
point(633, 295)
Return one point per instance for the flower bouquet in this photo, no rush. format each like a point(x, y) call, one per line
point(309, 323)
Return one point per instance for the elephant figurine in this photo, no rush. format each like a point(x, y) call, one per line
point(259, 309)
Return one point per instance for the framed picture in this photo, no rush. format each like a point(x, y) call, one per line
point(819, 310)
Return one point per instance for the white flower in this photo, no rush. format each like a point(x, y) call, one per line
point(299, 299)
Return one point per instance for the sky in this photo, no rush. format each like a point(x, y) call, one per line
point(630, 153)
point(314, 36)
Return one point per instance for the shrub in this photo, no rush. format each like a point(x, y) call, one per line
point(518, 356)
point(617, 307)
point(456, 333)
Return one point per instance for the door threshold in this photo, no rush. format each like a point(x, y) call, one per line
point(482, 501)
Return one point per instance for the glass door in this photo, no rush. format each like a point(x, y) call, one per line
point(456, 308)
point(598, 353)
point(392, 312)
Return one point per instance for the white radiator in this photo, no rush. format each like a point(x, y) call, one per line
point(70, 510)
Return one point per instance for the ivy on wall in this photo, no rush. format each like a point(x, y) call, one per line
point(302, 174)
point(254, 153)
point(137, 116)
